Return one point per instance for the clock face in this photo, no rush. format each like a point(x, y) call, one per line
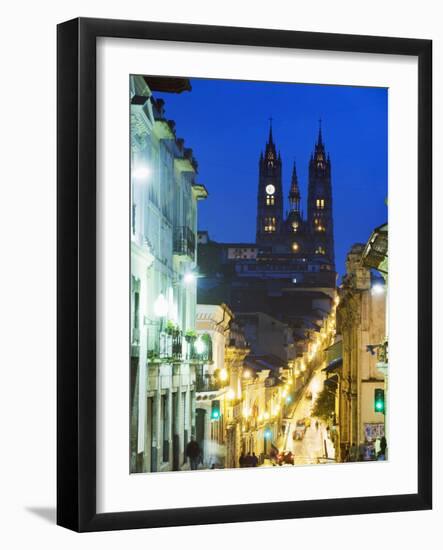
point(270, 189)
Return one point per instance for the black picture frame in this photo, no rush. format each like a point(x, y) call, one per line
point(76, 280)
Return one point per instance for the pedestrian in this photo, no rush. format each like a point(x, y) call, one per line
point(273, 453)
point(381, 455)
point(316, 425)
point(248, 460)
point(193, 452)
point(241, 460)
point(254, 460)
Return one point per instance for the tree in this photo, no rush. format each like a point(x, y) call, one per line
point(324, 405)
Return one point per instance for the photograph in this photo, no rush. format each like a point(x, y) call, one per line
point(258, 274)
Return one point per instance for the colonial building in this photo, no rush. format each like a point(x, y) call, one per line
point(361, 323)
point(219, 386)
point(164, 195)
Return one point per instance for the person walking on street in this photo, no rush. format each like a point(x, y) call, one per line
point(316, 425)
point(193, 452)
point(254, 460)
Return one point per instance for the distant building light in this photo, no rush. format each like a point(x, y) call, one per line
point(294, 280)
point(231, 394)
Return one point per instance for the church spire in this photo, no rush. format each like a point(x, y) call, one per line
point(270, 140)
point(319, 160)
point(320, 137)
point(270, 195)
point(294, 192)
point(270, 151)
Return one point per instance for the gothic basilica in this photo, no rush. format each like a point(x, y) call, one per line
point(307, 245)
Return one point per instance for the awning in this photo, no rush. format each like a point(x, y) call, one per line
point(334, 365)
point(331, 382)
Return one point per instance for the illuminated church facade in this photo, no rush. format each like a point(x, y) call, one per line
point(292, 237)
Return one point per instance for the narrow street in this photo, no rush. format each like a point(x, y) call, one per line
point(315, 444)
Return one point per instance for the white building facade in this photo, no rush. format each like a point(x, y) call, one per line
point(164, 196)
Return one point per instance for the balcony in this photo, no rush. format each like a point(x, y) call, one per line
point(168, 348)
point(206, 383)
point(184, 242)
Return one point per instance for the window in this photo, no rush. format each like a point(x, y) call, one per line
point(270, 224)
point(320, 250)
point(295, 247)
point(294, 227)
point(270, 200)
point(320, 203)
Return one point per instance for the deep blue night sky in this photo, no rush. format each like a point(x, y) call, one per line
point(226, 123)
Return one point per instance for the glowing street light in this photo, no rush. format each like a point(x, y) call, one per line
point(377, 289)
point(200, 346)
point(231, 394)
point(223, 375)
point(189, 278)
point(141, 172)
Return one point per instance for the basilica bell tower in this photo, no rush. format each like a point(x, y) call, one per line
point(270, 195)
point(320, 220)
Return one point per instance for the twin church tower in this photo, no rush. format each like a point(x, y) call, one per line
point(310, 239)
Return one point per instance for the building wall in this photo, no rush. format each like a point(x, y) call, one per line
point(163, 250)
point(361, 321)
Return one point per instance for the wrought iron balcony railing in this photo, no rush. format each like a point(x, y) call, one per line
point(184, 242)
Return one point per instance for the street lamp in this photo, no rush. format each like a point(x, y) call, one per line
point(189, 278)
point(223, 375)
point(200, 346)
point(141, 172)
point(377, 289)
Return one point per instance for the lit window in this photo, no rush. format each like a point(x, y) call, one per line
point(270, 200)
point(320, 228)
point(320, 250)
point(270, 225)
point(320, 203)
point(294, 226)
point(295, 247)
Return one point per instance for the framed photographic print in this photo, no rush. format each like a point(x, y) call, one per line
point(233, 343)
